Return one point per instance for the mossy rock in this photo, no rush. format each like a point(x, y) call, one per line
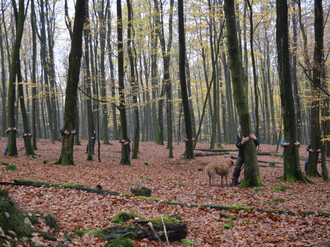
point(51, 221)
point(121, 242)
point(11, 218)
point(139, 190)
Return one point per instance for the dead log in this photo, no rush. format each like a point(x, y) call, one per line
point(175, 231)
point(212, 154)
point(259, 161)
point(66, 186)
point(141, 229)
point(267, 153)
point(216, 150)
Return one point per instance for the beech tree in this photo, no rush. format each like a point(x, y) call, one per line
point(189, 153)
point(14, 67)
point(69, 124)
point(292, 170)
point(251, 170)
point(125, 155)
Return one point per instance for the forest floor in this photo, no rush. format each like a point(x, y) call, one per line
point(173, 179)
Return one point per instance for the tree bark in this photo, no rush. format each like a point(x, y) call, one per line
point(14, 66)
point(90, 122)
point(189, 152)
point(125, 159)
point(318, 79)
point(4, 88)
point(34, 79)
point(251, 171)
point(292, 171)
point(103, 91)
point(66, 157)
point(134, 81)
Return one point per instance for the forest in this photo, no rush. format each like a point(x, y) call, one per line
point(100, 97)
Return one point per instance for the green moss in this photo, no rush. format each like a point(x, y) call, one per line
point(122, 217)
point(146, 163)
point(257, 189)
point(310, 213)
point(11, 168)
point(11, 218)
point(186, 242)
point(45, 162)
point(228, 224)
point(272, 164)
point(180, 185)
point(4, 163)
point(51, 221)
point(32, 218)
point(280, 188)
point(240, 207)
point(326, 214)
point(167, 220)
point(152, 198)
point(47, 236)
point(120, 242)
point(278, 200)
point(57, 184)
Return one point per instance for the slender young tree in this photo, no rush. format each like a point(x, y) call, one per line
point(27, 134)
point(292, 171)
point(136, 139)
point(34, 78)
point(255, 77)
point(189, 153)
point(4, 88)
point(166, 50)
point(125, 149)
point(102, 13)
point(251, 170)
point(90, 122)
point(70, 108)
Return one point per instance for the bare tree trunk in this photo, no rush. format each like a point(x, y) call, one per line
point(115, 134)
point(255, 77)
point(166, 64)
point(14, 66)
point(318, 80)
point(4, 88)
point(292, 171)
point(66, 157)
point(90, 123)
point(125, 150)
point(133, 84)
point(189, 152)
point(102, 35)
point(251, 170)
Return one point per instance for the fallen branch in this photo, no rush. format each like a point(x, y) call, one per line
point(220, 207)
point(259, 161)
point(233, 217)
point(206, 154)
point(66, 186)
point(141, 229)
point(216, 150)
